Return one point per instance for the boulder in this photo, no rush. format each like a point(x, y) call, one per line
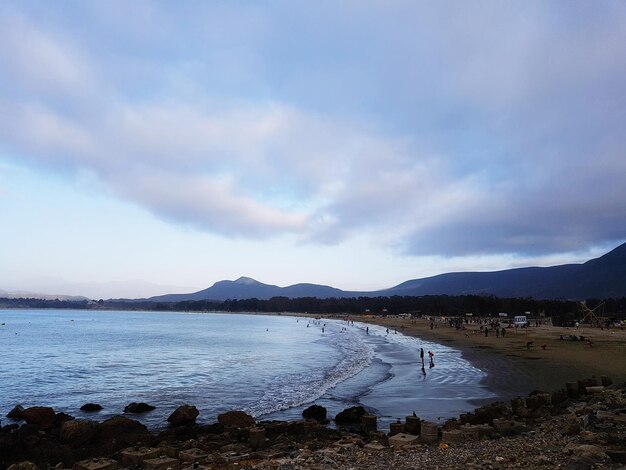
point(316, 412)
point(350, 415)
point(77, 432)
point(183, 415)
point(121, 429)
point(90, 407)
point(138, 408)
point(62, 417)
point(42, 416)
point(16, 413)
point(27, 430)
point(238, 419)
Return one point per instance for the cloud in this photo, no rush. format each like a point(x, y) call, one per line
point(35, 61)
point(433, 128)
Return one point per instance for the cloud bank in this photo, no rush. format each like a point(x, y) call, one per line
point(436, 128)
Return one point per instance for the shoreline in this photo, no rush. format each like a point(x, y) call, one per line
point(515, 370)
point(569, 430)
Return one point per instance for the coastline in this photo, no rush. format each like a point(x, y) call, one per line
point(570, 431)
point(515, 370)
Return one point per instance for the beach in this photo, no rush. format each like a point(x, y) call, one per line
point(583, 430)
point(515, 369)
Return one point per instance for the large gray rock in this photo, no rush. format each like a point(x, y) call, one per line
point(183, 415)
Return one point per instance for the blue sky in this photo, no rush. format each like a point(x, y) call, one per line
point(151, 147)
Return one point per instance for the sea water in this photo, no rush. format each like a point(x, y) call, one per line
point(271, 366)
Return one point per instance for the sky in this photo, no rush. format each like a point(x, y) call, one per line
point(150, 147)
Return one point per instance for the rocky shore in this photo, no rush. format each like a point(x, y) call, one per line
point(580, 426)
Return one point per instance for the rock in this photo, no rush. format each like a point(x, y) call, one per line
point(138, 408)
point(23, 466)
point(183, 415)
point(90, 407)
point(558, 396)
point(99, 463)
point(16, 413)
point(42, 416)
point(580, 462)
point(62, 417)
point(160, 463)
point(10, 427)
point(316, 412)
point(617, 456)
point(77, 432)
point(451, 425)
point(588, 450)
point(400, 440)
point(517, 404)
point(350, 415)
point(238, 419)
point(27, 430)
point(121, 429)
point(486, 414)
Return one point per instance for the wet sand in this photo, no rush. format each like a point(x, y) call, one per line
point(512, 368)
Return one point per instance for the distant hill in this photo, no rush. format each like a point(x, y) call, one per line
point(247, 288)
point(34, 295)
point(603, 277)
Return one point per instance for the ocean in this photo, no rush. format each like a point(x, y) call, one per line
point(271, 366)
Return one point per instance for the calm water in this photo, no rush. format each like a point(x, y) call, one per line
point(270, 366)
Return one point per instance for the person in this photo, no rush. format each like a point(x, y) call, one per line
point(503, 331)
point(432, 361)
point(422, 357)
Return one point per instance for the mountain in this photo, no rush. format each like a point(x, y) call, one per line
point(602, 277)
point(34, 295)
point(247, 288)
point(598, 278)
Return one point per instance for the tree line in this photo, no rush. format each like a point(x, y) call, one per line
point(559, 310)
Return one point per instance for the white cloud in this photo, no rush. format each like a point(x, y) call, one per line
point(451, 129)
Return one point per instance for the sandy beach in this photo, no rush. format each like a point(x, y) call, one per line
point(515, 369)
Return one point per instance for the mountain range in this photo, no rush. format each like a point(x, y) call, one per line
point(602, 277)
point(35, 295)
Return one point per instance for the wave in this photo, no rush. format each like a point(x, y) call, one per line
point(292, 390)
